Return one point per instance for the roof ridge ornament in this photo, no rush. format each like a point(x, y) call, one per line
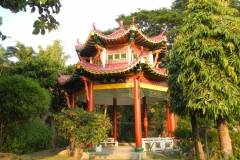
point(133, 20)
point(164, 28)
point(79, 45)
point(121, 25)
point(94, 27)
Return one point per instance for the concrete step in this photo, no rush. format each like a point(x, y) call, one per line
point(115, 152)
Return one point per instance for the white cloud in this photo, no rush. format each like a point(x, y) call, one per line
point(76, 18)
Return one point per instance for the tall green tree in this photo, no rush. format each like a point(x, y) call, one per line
point(54, 52)
point(20, 51)
point(206, 52)
point(152, 22)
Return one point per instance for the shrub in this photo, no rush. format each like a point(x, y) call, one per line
point(28, 137)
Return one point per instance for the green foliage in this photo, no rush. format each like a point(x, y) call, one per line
point(235, 137)
point(27, 137)
point(20, 51)
point(152, 22)
point(45, 19)
point(83, 127)
point(21, 98)
point(3, 37)
point(125, 123)
point(3, 57)
point(44, 72)
point(207, 53)
point(156, 117)
point(185, 141)
point(54, 52)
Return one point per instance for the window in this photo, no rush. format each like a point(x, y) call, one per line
point(110, 57)
point(117, 56)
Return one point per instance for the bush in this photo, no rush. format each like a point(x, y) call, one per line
point(83, 127)
point(186, 141)
point(28, 137)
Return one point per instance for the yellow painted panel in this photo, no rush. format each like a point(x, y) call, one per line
point(113, 86)
point(154, 87)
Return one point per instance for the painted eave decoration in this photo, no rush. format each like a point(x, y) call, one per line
point(65, 80)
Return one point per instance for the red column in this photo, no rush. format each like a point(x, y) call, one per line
point(115, 119)
point(137, 113)
point(145, 118)
point(90, 106)
point(173, 123)
point(90, 98)
point(168, 120)
point(72, 102)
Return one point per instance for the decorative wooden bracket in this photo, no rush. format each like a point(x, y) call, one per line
point(99, 51)
point(67, 98)
point(87, 82)
point(156, 52)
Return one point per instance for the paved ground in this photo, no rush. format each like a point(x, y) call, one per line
point(125, 151)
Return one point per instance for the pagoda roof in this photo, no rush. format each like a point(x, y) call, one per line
point(84, 67)
point(121, 36)
point(116, 41)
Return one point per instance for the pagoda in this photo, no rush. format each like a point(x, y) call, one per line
point(122, 68)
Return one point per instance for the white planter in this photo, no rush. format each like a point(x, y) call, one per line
point(98, 148)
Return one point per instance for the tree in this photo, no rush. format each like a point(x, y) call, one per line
point(20, 51)
point(20, 99)
point(3, 37)
point(54, 52)
point(207, 83)
point(45, 19)
point(180, 5)
point(83, 127)
point(152, 22)
point(45, 72)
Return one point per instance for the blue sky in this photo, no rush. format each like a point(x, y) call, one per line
point(76, 18)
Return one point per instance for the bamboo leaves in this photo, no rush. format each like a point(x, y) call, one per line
point(207, 54)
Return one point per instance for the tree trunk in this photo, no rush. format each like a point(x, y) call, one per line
point(224, 137)
point(78, 153)
point(198, 144)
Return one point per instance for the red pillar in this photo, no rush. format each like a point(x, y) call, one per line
point(173, 123)
point(145, 118)
point(137, 114)
point(90, 98)
point(115, 119)
point(72, 102)
point(168, 120)
point(90, 102)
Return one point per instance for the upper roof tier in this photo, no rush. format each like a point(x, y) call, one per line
point(121, 36)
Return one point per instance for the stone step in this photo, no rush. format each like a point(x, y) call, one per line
point(114, 152)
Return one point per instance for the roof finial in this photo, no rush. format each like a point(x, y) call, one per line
point(164, 28)
point(133, 20)
point(94, 27)
point(121, 25)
